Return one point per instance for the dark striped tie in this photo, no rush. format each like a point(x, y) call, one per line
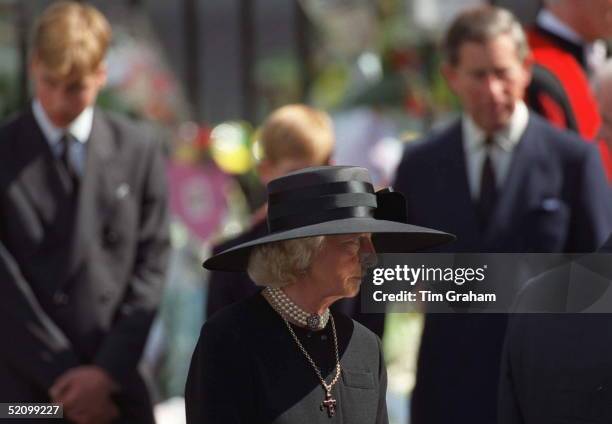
point(67, 141)
point(488, 186)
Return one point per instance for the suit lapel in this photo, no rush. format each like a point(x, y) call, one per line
point(41, 179)
point(513, 198)
point(463, 209)
point(95, 191)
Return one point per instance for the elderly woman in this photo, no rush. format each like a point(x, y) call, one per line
point(280, 356)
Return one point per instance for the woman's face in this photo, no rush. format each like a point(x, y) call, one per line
point(341, 263)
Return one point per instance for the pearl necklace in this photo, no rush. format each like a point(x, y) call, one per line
point(292, 312)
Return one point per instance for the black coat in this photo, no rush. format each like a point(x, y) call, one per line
point(81, 280)
point(558, 368)
point(246, 368)
point(555, 199)
point(226, 288)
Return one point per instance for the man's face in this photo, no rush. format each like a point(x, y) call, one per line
point(64, 98)
point(341, 263)
point(594, 18)
point(489, 79)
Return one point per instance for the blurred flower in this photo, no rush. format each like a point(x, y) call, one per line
point(230, 148)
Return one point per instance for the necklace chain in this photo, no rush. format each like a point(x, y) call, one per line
point(327, 387)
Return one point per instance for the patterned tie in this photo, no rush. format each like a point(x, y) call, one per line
point(488, 186)
point(67, 141)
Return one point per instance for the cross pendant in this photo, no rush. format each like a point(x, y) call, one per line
point(329, 403)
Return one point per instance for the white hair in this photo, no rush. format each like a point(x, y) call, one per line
point(281, 263)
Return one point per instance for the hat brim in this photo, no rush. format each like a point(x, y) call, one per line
point(387, 236)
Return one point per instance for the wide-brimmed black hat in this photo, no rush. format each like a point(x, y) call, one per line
point(328, 200)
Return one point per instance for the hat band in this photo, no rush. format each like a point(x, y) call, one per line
point(296, 221)
point(311, 192)
point(314, 205)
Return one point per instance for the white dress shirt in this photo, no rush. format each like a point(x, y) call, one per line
point(79, 128)
point(501, 149)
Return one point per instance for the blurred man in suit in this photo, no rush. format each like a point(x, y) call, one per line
point(503, 180)
point(554, 366)
point(83, 233)
point(567, 46)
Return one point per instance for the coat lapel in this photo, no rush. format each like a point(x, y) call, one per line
point(41, 179)
point(95, 191)
point(455, 185)
point(513, 198)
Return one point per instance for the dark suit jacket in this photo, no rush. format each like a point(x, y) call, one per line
point(557, 368)
point(555, 199)
point(81, 280)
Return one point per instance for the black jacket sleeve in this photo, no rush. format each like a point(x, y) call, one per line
point(39, 349)
point(220, 387)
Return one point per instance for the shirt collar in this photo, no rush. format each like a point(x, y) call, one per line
point(506, 138)
point(79, 128)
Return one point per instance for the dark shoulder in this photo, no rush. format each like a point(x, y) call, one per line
point(10, 128)
point(433, 146)
point(129, 133)
point(237, 319)
point(568, 145)
point(544, 293)
point(435, 142)
point(368, 336)
point(12, 122)
point(12, 131)
point(362, 339)
point(422, 156)
point(121, 122)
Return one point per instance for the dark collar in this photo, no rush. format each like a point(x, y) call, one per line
point(576, 50)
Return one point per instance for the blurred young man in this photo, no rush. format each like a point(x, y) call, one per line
point(502, 180)
point(83, 233)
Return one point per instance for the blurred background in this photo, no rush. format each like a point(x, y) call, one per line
point(206, 73)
